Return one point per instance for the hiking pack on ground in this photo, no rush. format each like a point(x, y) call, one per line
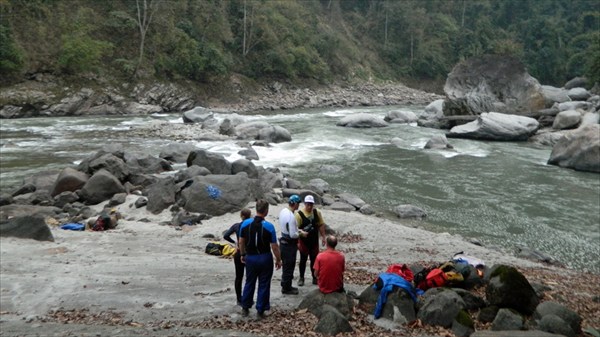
point(219, 249)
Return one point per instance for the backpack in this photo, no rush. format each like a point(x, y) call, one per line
point(402, 270)
point(102, 223)
point(435, 278)
point(219, 249)
point(214, 248)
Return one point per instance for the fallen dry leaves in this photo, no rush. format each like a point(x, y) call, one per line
point(577, 291)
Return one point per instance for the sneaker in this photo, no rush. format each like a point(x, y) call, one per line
point(314, 281)
point(301, 282)
point(245, 312)
point(262, 314)
point(290, 291)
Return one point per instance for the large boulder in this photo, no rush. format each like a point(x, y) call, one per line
point(362, 120)
point(554, 95)
point(219, 194)
point(244, 165)
point(43, 180)
point(14, 210)
point(400, 116)
point(578, 149)
point(567, 119)
point(101, 186)
point(441, 307)
point(433, 116)
point(177, 152)
point(439, 142)
point(196, 115)
point(214, 162)
point(106, 161)
point(315, 300)
point(508, 288)
point(576, 82)
point(260, 130)
point(579, 94)
point(69, 180)
point(146, 163)
point(491, 83)
point(571, 320)
point(161, 195)
point(496, 126)
point(26, 227)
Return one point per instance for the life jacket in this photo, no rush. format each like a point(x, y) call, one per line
point(311, 227)
point(258, 240)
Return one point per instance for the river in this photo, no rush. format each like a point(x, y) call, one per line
point(501, 193)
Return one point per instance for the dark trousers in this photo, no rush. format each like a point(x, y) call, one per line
point(239, 275)
point(305, 253)
point(258, 267)
point(288, 258)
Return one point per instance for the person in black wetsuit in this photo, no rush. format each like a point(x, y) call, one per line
point(237, 261)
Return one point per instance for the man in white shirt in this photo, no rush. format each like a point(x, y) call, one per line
point(288, 244)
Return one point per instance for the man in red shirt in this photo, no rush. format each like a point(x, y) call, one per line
point(329, 268)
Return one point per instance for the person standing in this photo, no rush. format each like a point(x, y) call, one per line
point(310, 224)
point(258, 244)
point(237, 258)
point(288, 244)
point(329, 268)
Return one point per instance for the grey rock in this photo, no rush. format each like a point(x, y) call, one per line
point(26, 227)
point(496, 126)
point(409, 212)
point(491, 83)
point(579, 149)
point(362, 120)
point(69, 180)
point(214, 162)
point(101, 186)
point(508, 319)
point(567, 119)
point(177, 152)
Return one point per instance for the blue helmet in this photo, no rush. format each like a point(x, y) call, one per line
point(294, 199)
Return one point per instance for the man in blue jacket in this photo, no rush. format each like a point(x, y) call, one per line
point(257, 239)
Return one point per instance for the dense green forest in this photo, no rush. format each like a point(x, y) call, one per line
point(297, 40)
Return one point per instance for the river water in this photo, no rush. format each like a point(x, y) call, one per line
point(501, 193)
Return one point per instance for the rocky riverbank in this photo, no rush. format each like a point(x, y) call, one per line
point(46, 95)
point(148, 279)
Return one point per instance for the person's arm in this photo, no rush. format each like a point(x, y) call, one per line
point(322, 228)
point(242, 248)
point(293, 227)
point(231, 230)
point(317, 266)
point(301, 233)
point(275, 248)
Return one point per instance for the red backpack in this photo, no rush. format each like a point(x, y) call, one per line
point(435, 278)
point(402, 270)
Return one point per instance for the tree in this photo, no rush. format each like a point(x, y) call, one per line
point(145, 14)
point(11, 57)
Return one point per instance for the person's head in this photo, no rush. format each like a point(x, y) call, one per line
point(309, 202)
point(294, 201)
point(331, 241)
point(262, 207)
point(245, 214)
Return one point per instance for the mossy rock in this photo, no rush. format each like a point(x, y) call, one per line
point(508, 288)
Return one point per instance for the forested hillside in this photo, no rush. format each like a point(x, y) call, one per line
point(298, 40)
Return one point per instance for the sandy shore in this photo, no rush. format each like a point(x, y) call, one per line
point(143, 273)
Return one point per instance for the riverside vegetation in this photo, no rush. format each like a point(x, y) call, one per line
point(218, 49)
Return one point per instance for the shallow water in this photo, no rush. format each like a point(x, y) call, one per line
point(501, 193)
